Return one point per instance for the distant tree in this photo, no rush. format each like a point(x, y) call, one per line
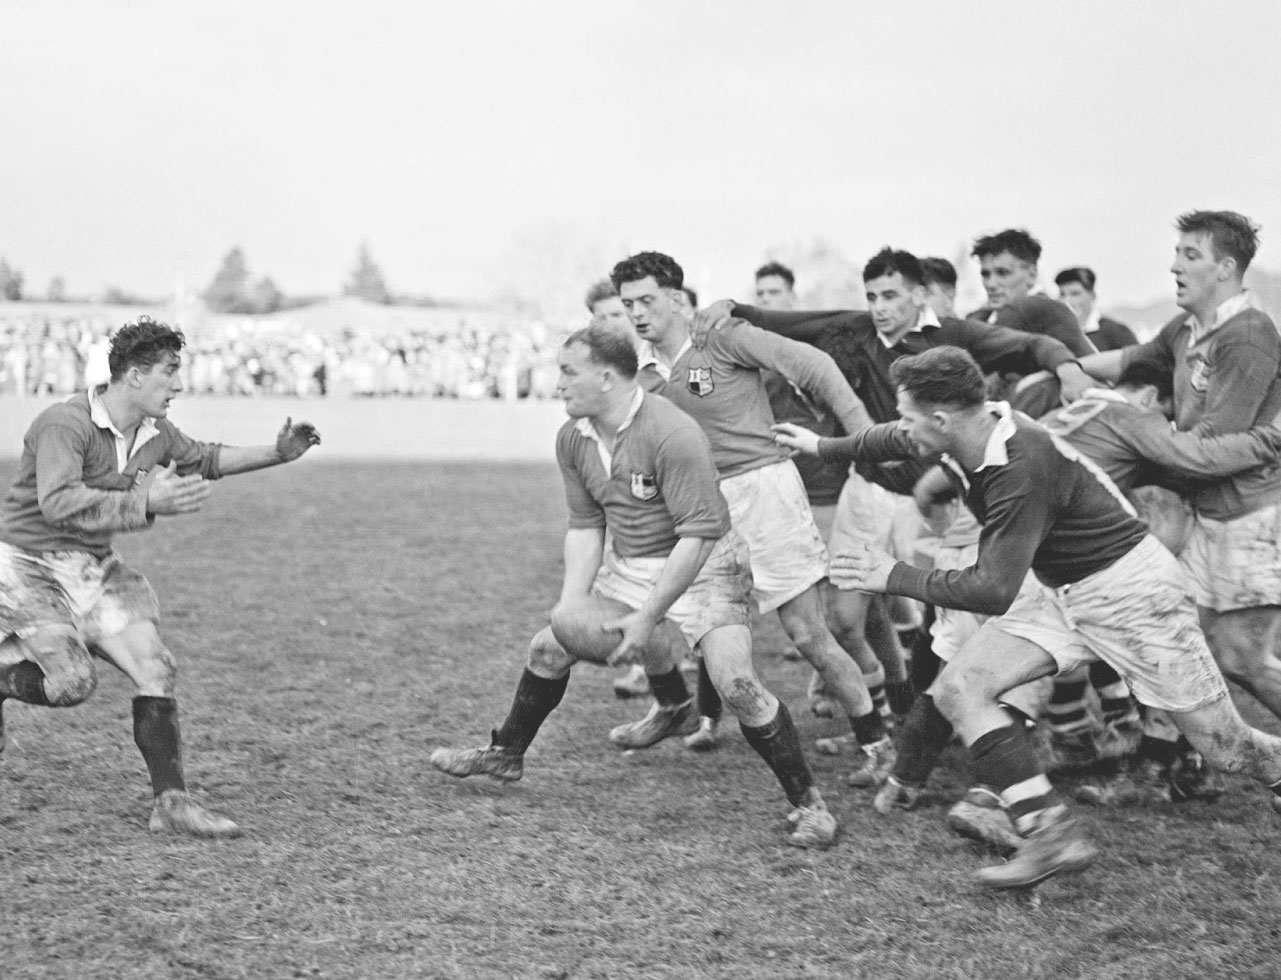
point(825, 278)
point(116, 296)
point(229, 290)
point(10, 281)
point(57, 292)
point(266, 297)
point(367, 280)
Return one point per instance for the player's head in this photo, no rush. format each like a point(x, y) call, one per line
point(775, 287)
point(1076, 289)
point(895, 286)
point(940, 285)
point(605, 306)
point(650, 286)
point(1214, 250)
point(144, 360)
point(597, 366)
point(1007, 264)
point(1148, 386)
point(938, 390)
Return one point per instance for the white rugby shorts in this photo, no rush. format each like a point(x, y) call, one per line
point(1235, 564)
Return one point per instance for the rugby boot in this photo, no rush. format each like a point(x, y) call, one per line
point(176, 812)
point(1056, 845)
point(1189, 778)
point(704, 738)
point(821, 703)
point(812, 823)
point(979, 816)
point(496, 761)
point(896, 796)
point(632, 684)
point(661, 722)
point(878, 760)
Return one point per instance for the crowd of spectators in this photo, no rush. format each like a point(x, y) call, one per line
point(49, 354)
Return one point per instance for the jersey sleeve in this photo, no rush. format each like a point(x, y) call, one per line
point(690, 485)
point(879, 444)
point(192, 456)
point(804, 325)
point(1186, 454)
point(66, 501)
point(998, 348)
point(584, 510)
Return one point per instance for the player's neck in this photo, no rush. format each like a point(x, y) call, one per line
point(1205, 312)
point(971, 438)
point(609, 421)
point(670, 346)
point(125, 416)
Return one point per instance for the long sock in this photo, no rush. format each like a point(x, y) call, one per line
point(780, 746)
point(1005, 759)
point(868, 728)
point(900, 695)
point(709, 699)
point(155, 732)
point(924, 665)
point(669, 689)
point(1114, 694)
point(875, 681)
point(24, 681)
point(921, 739)
point(1067, 711)
point(536, 698)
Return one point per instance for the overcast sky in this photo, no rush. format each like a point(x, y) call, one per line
point(143, 139)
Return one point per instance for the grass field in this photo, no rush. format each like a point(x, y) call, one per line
point(335, 621)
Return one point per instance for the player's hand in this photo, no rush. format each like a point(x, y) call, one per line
point(709, 318)
point(294, 440)
point(636, 628)
point(1072, 382)
point(867, 569)
point(169, 494)
point(795, 437)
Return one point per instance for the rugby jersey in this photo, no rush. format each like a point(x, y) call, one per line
point(1039, 314)
point(1227, 379)
point(1042, 504)
point(71, 493)
point(656, 485)
point(720, 384)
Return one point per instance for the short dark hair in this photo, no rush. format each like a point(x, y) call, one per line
point(941, 376)
point(1139, 373)
point(608, 346)
point(636, 267)
point(1232, 235)
point(690, 295)
point(1078, 273)
point(142, 345)
point(1017, 241)
point(938, 270)
point(777, 269)
point(888, 261)
point(604, 289)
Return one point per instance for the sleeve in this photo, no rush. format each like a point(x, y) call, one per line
point(192, 456)
point(880, 444)
point(1245, 369)
point(811, 370)
point(690, 485)
point(1043, 315)
point(999, 348)
point(1186, 454)
point(584, 510)
point(803, 325)
point(1017, 520)
point(1121, 335)
point(65, 500)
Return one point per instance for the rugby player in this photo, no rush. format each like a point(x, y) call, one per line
point(1224, 355)
point(721, 386)
point(1106, 590)
point(105, 461)
point(1076, 289)
point(637, 466)
point(940, 285)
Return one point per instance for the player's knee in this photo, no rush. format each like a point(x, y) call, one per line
point(546, 655)
point(748, 699)
point(954, 694)
point(69, 673)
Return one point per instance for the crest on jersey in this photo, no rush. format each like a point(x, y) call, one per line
point(644, 486)
point(700, 381)
point(1200, 377)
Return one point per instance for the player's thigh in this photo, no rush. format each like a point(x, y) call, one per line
point(991, 664)
point(579, 626)
point(1243, 641)
point(139, 653)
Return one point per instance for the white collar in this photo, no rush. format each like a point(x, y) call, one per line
point(925, 318)
point(995, 453)
point(1093, 322)
point(98, 414)
point(588, 428)
point(1224, 312)
point(647, 356)
point(1104, 394)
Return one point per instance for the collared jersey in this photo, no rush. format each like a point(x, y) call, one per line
point(721, 386)
point(1043, 506)
point(72, 493)
point(1038, 313)
point(1226, 381)
point(655, 485)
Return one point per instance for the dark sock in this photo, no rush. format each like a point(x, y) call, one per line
point(922, 738)
point(900, 695)
point(868, 728)
point(709, 699)
point(1158, 750)
point(155, 732)
point(778, 744)
point(669, 689)
point(24, 681)
point(1006, 757)
point(924, 665)
point(536, 698)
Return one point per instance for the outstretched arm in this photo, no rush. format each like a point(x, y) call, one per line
point(291, 442)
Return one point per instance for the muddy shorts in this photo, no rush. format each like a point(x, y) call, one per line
point(1235, 564)
point(1136, 615)
point(719, 596)
point(864, 516)
point(98, 597)
point(769, 509)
